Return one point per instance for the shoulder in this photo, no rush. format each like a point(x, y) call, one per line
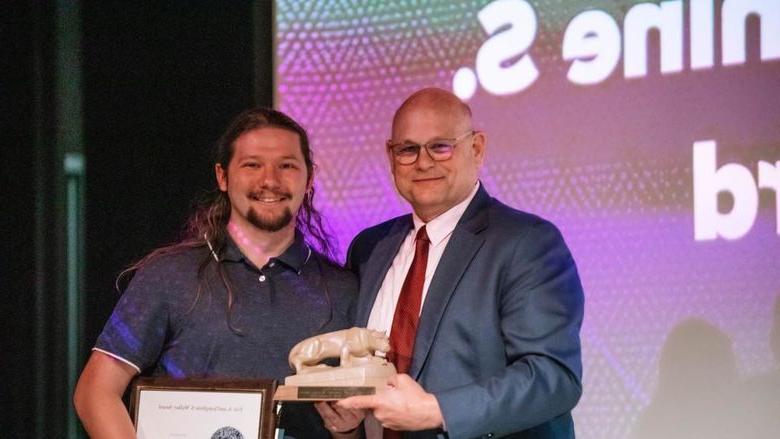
point(509, 222)
point(334, 272)
point(514, 235)
point(523, 243)
point(340, 284)
point(170, 265)
point(368, 238)
point(162, 284)
point(505, 225)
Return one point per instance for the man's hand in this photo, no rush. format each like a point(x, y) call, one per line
point(403, 406)
point(339, 421)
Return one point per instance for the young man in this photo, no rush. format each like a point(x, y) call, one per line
point(483, 302)
point(233, 297)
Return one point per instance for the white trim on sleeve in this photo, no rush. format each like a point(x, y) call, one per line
point(115, 356)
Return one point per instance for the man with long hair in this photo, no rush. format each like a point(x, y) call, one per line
point(252, 276)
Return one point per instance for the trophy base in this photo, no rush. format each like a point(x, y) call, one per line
point(334, 383)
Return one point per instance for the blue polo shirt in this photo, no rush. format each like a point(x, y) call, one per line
point(163, 326)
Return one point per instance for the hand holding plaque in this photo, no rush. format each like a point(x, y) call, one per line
point(360, 371)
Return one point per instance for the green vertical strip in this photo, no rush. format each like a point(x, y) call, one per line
point(69, 148)
point(75, 176)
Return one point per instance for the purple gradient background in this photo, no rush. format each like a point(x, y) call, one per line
point(609, 164)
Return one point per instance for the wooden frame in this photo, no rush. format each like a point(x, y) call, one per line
point(238, 388)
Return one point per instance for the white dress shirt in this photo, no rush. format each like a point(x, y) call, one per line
point(439, 231)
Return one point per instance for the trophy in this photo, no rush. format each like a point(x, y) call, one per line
point(360, 371)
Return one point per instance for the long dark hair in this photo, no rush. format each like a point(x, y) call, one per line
point(207, 225)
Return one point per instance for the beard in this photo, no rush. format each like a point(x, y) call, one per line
point(270, 223)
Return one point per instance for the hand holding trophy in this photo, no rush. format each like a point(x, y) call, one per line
point(360, 371)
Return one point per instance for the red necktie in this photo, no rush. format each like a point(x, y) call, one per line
point(407, 312)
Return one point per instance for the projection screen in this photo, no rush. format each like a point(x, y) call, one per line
point(649, 132)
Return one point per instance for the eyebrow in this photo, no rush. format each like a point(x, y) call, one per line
point(407, 141)
point(259, 157)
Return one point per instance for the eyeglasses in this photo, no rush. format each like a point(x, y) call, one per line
point(439, 149)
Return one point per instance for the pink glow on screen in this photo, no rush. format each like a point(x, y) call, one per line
point(610, 163)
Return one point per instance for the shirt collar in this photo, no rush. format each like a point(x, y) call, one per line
point(231, 252)
point(443, 225)
point(295, 256)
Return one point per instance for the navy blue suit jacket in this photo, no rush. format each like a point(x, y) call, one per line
point(498, 338)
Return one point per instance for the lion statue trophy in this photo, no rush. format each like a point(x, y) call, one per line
point(360, 371)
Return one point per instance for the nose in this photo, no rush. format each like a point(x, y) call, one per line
point(270, 177)
point(424, 160)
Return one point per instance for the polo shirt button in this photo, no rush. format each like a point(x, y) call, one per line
point(272, 264)
point(261, 278)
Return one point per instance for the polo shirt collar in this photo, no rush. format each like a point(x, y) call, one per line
point(295, 256)
point(231, 253)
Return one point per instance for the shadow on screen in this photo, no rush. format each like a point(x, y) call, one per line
point(699, 393)
point(763, 392)
point(697, 386)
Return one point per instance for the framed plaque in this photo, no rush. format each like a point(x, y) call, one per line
point(164, 408)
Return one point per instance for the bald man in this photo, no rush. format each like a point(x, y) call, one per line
point(482, 302)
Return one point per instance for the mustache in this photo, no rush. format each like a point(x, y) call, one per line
point(265, 193)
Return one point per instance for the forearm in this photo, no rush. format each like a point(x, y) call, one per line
point(104, 416)
point(98, 397)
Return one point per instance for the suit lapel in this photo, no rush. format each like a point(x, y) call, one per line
point(461, 248)
point(375, 269)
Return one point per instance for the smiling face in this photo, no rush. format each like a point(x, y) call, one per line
point(433, 187)
point(266, 179)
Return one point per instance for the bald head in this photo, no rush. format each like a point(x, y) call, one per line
point(436, 100)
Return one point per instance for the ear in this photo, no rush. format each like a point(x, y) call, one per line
point(479, 146)
point(222, 179)
point(390, 157)
point(310, 182)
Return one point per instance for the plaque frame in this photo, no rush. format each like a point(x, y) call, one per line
point(265, 387)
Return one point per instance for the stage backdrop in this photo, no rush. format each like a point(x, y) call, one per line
point(649, 132)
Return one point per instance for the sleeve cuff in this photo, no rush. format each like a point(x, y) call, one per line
point(117, 357)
